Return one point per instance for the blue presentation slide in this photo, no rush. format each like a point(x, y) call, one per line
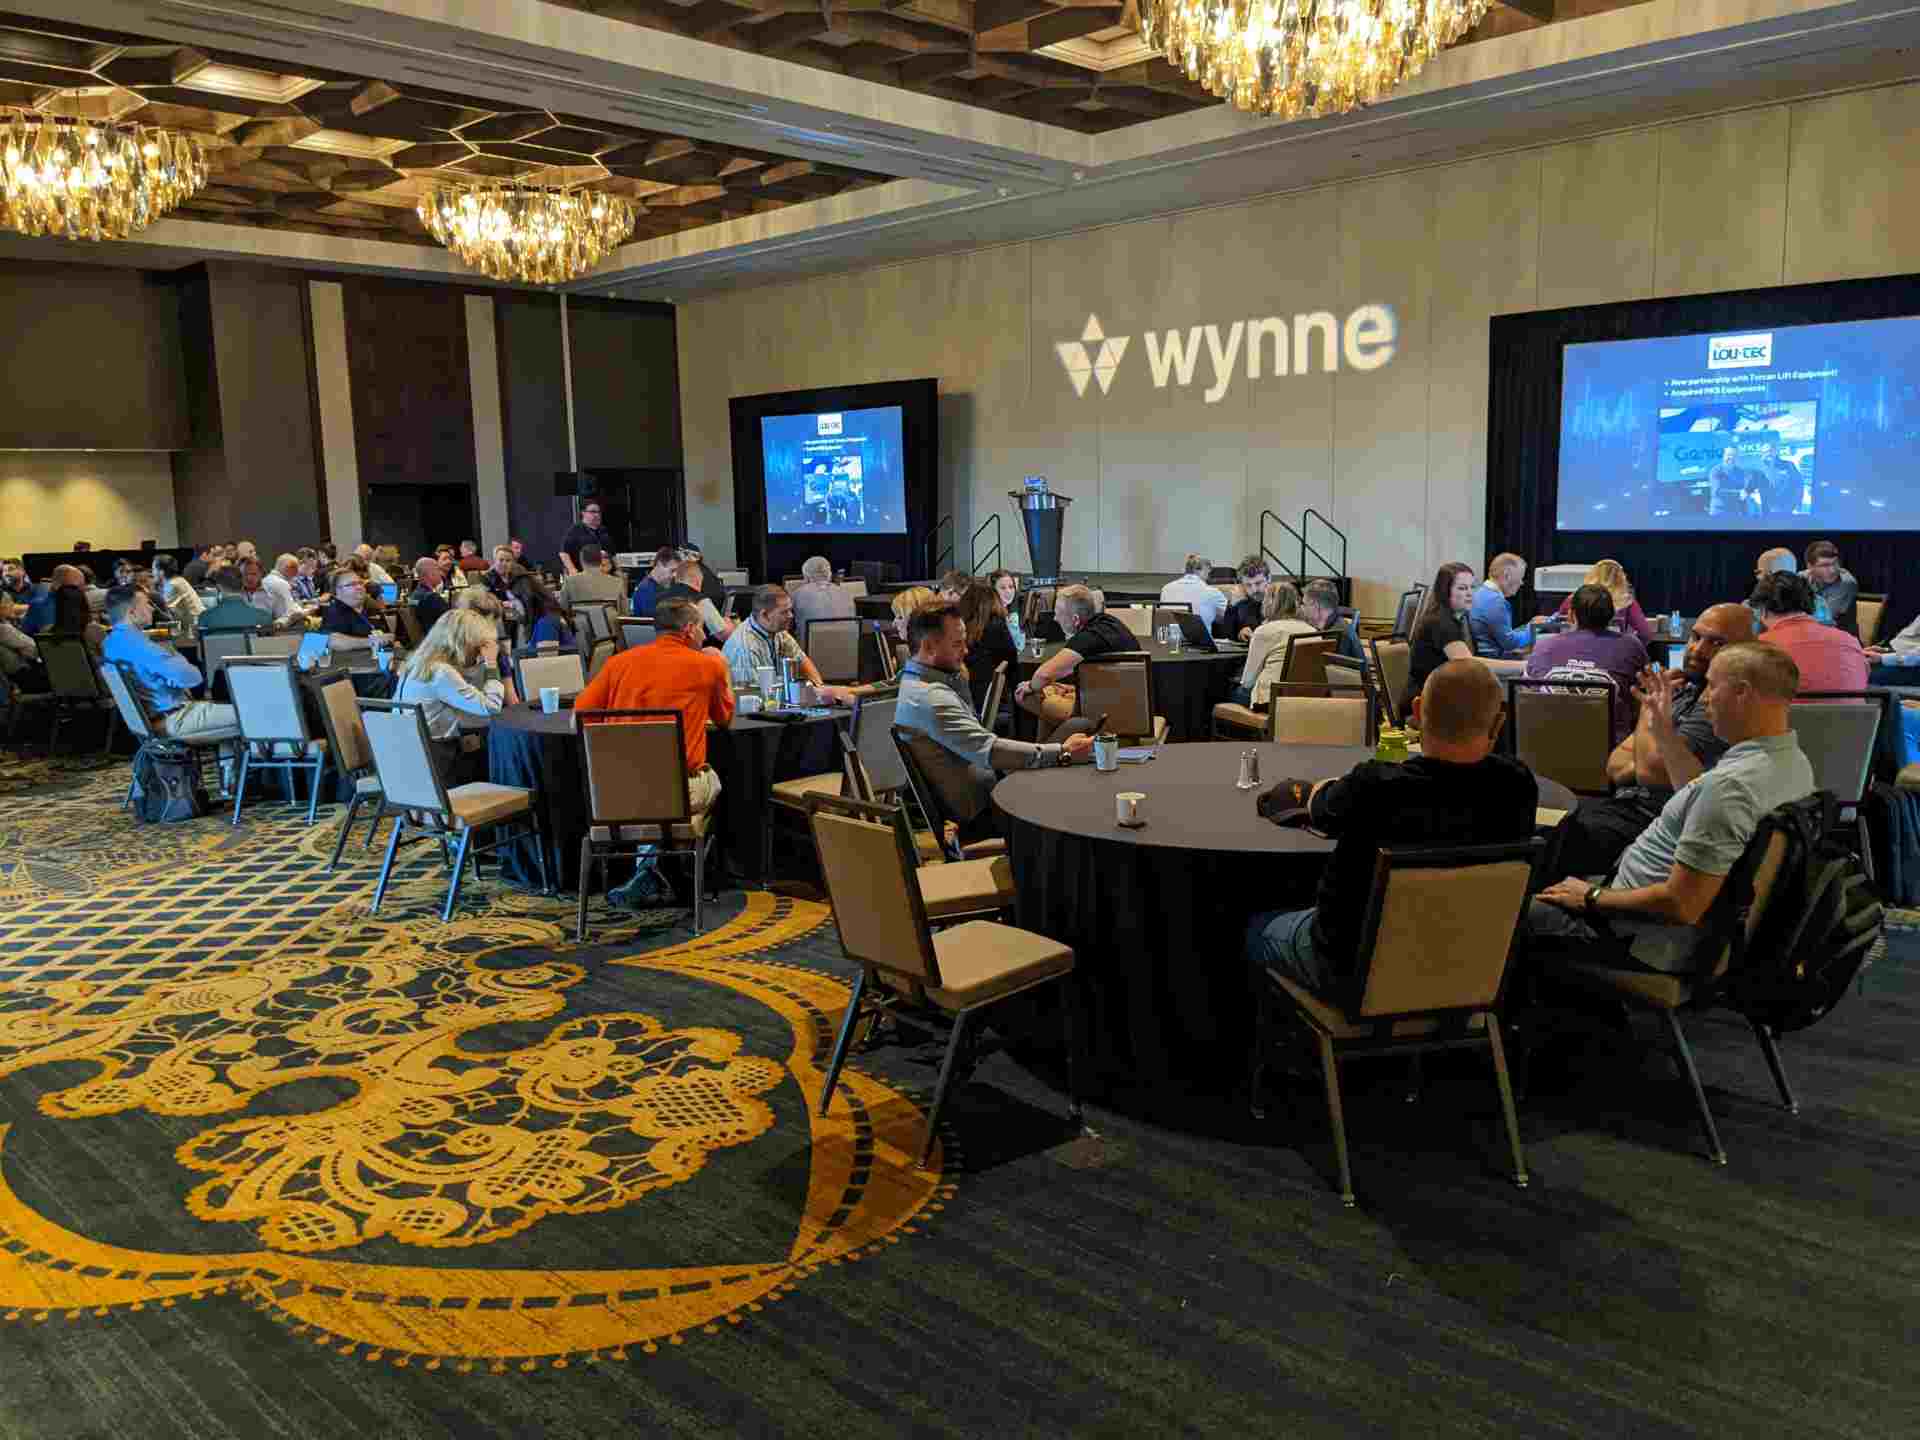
point(1804, 427)
point(840, 472)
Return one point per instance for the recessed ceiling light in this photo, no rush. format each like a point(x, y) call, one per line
point(342, 142)
point(245, 84)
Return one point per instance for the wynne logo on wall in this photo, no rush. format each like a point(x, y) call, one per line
point(1272, 345)
point(1732, 352)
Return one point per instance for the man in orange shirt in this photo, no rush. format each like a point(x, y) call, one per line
point(675, 672)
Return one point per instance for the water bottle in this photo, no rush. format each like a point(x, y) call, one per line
point(786, 681)
point(1673, 625)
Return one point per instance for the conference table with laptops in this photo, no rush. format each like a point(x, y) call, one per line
point(1186, 684)
point(1157, 915)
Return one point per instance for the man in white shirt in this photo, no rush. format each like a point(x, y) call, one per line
point(1192, 589)
point(278, 582)
point(816, 597)
point(277, 603)
point(376, 574)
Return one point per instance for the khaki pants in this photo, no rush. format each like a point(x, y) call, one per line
point(703, 788)
point(201, 720)
point(1053, 705)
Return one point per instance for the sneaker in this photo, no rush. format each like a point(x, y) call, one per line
point(643, 892)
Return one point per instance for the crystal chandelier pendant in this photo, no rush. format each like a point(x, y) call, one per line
point(1294, 58)
point(538, 237)
point(89, 180)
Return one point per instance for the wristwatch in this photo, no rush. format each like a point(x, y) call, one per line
point(1593, 894)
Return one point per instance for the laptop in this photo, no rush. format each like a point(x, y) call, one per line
point(314, 649)
point(390, 594)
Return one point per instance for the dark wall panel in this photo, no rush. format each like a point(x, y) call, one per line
point(264, 358)
point(533, 402)
point(92, 358)
point(626, 384)
point(408, 369)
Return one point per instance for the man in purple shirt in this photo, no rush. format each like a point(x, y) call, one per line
point(1592, 650)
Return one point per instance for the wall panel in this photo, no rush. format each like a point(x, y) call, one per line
point(1854, 206)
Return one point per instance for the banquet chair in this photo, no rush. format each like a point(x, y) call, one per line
point(1039, 607)
point(352, 758)
point(996, 691)
point(565, 672)
point(594, 620)
point(273, 727)
point(882, 921)
point(930, 770)
point(1432, 965)
point(951, 891)
point(1304, 660)
point(1137, 618)
point(140, 723)
point(1346, 675)
point(834, 647)
point(1562, 733)
point(598, 653)
point(1307, 715)
point(1839, 731)
point(791, 797)
point(410, 630)
point(875, 771)
point(635, 778)
point(1405, 611)
point(1393, 663)
point(1120, 687)
point(279, 645)
point(1868, 611)
point(883, 642)
point(418, 800)
point(217, 647)
point(72, 686)
point(636, 630)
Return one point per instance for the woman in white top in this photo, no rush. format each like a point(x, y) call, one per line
point(434, 679)
point(1279, 618)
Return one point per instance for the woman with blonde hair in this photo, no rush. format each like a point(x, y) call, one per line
point(1611, 577)
point(1267, 646)
point(435, 679)
point(905, 602)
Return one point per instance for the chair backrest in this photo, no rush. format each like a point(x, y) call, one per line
point(565, 672)
point(1439, 928)
point(1838, 730)
point(346, 735)
point(594, 619)
point(921, 760)
point(1868, 610)
point(1317, 719)
point(219, 646)
point(70, 672)
point(1039, 606)
point(834, 647)
point(1408, 607)
point(636, 766)
point(1119, 687)
point(266, 699)
point(880, 768)
point(637, 630)
point(287, 644)
point(1347, 677)
point(126, 698)
point(856, 588)
point(866, 855)
point(883, 642)
point(1393, 659)
point(1305, 661)
point(1137, 618)
point(403, 756)
point(410, 627)
point(1561, 733)
point(990, 702)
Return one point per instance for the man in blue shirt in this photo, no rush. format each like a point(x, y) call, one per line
point(666, 569)
point(1490, 618)
point(160, 676)
point(1320, 608)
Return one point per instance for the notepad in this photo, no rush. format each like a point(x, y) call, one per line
point(1546, 819)
point(1135, 754)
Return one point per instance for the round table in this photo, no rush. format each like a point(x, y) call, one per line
point(1157, 916)
point(540, 752)
point(1186, 684)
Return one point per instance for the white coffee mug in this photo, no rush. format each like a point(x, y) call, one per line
point(550, 699)
point(1126, 806)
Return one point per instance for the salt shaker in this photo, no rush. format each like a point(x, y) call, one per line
point(1249, 769)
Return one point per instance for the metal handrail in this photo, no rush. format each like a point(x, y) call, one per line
point(1304, 547)
point(1279, 564)
point(973, 546)
point(934, 558)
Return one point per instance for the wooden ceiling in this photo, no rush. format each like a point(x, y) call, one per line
point(333, 154)
point(1075, 63)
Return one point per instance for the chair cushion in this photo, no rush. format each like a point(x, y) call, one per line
point(1661, 992)
point(1239, 717)
point(483, 804)
point(1334, 1021)
point(694, 829)
point(981, 961)
point(794, 793)
point(963, 886)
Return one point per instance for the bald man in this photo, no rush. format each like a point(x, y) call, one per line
point(1456, 792)
point(1670, 745)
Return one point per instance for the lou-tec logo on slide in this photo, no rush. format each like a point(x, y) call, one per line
point(1733, 352)
point(829, 424)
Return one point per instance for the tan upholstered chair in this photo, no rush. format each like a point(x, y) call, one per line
point(418, 801)
point(1346, 678)
point(1314, 718)
point(73, 685)
point(1120, 687)
point(1562, 734)
point(1432, 963)
point(1393, 664)
point(1304, 662)
point(1839, 733)
point(883, 642)
point(1137, 618)
point(1234, 721)
point(834, 648)
point(884, 927)
point(593, 619)
point(933, 777)
point(1867, 613)
point(996, 689)
point(955, 890)
point(635, 777)
point(636, 630)
point(791, 797)
point(273, 727)
point(563, 672)
point(352, 757)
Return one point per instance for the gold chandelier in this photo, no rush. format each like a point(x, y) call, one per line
point(541, 237)
point(90, 179)
point(1304, 57)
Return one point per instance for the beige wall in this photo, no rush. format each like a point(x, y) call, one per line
point(1815, 190)
point(49, 499)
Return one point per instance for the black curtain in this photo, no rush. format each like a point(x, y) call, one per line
point(1669, 570)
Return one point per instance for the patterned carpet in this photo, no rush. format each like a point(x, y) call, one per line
point(272, 1165)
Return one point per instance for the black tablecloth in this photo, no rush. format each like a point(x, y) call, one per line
point(1186, 686)
point(541, 753)
point(1157, 917)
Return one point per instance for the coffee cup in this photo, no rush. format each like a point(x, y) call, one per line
point(1106, 751)
point(768, 677)
point(550, 699)
point(1126, 808)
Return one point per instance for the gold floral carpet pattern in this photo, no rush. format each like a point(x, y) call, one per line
point(484, 1120)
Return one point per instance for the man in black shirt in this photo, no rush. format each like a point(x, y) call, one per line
point(1240, 619)
point(1090, 632)
point(344, 613)
point(1457, 792)
point(199, 566)
point(586, 531)
point(427, 604)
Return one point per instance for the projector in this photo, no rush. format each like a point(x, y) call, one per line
point(634, 560)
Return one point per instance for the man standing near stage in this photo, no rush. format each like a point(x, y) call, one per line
point(586, 531)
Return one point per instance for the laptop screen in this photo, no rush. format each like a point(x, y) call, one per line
point(313, 649)
point(390, 594)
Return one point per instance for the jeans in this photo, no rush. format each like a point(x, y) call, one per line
point(1241, 695)
point(1282, 941)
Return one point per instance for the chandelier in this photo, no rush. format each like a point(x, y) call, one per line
point(89, 179)
point(1304, 57)
point(542, 237)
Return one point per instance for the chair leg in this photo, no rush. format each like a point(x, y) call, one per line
point(1506, 1100)
point(1416, 1077)
point(1330, 1069)
point(386, 866)
point(1070, 1033)
point(547, 881)
point(940, 1089)
point(459, 869)
point(845, 1039)
point(1771, 1049)
point(699, 882)
point(1685, 1053)
point(53, 740)
point(113, 719)
point(766, 847)
point(240, 785)
point(1262, 1038)
point(346, 826)
point(1866, 847)
point(313, 787)
point(586, 879)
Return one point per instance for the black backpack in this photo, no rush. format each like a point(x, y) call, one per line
point(169, 785)
point(1821, 922)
